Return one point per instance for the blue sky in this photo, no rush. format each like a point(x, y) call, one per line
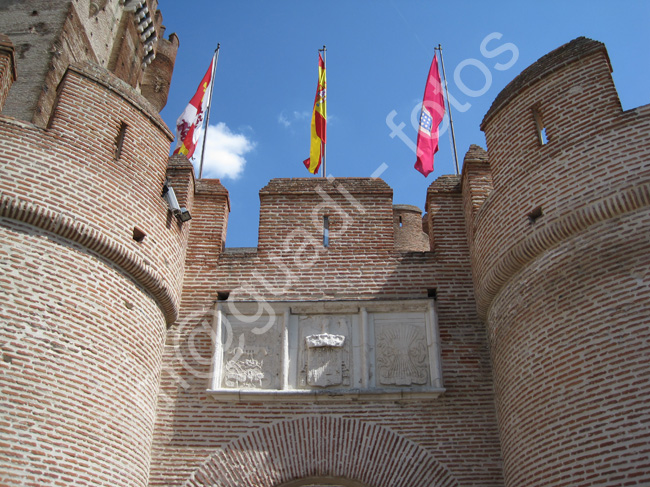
point(378, 57)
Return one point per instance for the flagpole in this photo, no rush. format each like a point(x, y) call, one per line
point(324, 50)
point(215, 58)
point(451, 122)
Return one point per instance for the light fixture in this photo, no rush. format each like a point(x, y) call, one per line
point(181, 212)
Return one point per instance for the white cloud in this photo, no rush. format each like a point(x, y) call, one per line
point(224, 153)
point(301, 115)
point(295, 116)
point(283, 120)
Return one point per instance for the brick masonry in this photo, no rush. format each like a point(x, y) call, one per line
point(536, 256)
point(81, 349)
point(563, 300)
point(360, 262)
point(7, 67)
point(85, 306)
point(48, 36)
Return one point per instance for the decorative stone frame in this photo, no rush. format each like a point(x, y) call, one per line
point(326, 350)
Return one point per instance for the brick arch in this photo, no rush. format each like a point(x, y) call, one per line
point(313, 446)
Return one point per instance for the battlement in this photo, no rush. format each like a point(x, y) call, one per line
point(353, 212)
point(311, 185)
point(543, 67)
point(557, 220)
point(136, 349)
point(112, 34)
point(558, 130)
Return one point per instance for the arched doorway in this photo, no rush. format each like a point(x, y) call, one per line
point(305, 451)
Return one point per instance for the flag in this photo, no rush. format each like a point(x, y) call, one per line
point(433, 111)
point(188, 125)
point(318, 122)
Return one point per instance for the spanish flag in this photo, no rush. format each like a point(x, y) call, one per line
point(318, 122)
point(188, 125)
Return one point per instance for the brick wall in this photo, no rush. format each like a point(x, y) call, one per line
point(80, 150)
point(543, 241)
point(158, 76)
point(207, 238)
point(579, 106)
point(561, 269)
point(7, 67)
point(84, 304)
point(569, 338)
point(476, 184)
point(81, 345)
point(452, 438)
point(48, 36)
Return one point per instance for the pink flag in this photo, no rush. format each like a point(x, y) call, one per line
point(433, 111)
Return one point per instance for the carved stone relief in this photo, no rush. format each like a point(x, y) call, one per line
point(251, 359)
point(402, 357)
point(363, 352)
point(244, 368)
point(325, 360)
point(325, 351)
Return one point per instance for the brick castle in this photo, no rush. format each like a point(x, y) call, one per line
point(502, 339)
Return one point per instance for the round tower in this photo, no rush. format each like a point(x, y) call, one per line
point(562, 274)
point(91, 263)
point(408, 228)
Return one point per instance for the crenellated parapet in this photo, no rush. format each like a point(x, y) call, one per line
point(353, 212)
point(442, 205)
point(476, 184)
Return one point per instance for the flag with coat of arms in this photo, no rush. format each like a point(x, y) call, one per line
point(188, 125)
point(433, 111)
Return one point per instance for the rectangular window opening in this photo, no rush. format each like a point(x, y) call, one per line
point(326, 231)
point(539, 127)
point(119, 140)
point(138, 235)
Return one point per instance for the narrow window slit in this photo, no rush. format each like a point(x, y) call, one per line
point(119, 140)
point(540, 127)
point(326, 231)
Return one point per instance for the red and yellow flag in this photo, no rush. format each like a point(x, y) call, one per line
point(318, 122)
point(188, 125)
